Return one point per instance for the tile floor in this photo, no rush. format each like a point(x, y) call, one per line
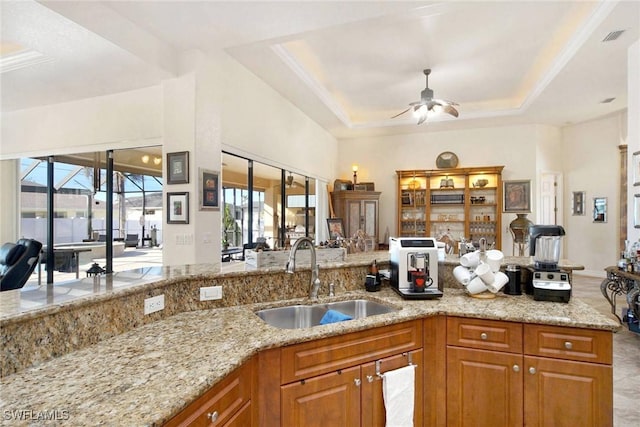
point(626, 354)
point(626, 344)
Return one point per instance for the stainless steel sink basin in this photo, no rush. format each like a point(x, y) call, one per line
point(306, 316)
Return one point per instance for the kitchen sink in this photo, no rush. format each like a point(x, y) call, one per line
point(306, 316)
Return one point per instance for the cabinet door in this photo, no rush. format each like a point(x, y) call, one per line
point(354, 217)
point(328, 400)
point(369, 221)
point(566, 393)
point(484, 388)
point(218, 405)
point(373, 409)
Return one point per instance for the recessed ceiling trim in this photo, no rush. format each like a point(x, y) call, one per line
point(312, 83)
point(22, 59)
point(570, 50)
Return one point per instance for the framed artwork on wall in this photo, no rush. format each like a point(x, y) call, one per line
point(178, 208)
point(577, 203)
point(635, 160)
point(178, 168)
point(599, 209)
point(209, 190)
point(517, 196)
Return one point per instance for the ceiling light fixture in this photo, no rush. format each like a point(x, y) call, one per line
point(145, 158)
point(157, 160)
point(428, 106)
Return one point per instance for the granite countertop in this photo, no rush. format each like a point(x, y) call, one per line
point(145, 376)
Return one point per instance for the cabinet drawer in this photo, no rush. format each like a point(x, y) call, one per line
point(225, 399)
point(484, 334)
point(586, 345)
point(313, 358)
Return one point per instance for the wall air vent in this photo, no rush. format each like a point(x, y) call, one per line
point(607, 100)
point(613, 35)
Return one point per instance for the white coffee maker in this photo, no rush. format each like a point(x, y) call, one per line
point(414, 267)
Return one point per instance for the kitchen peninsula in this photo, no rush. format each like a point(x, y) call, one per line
point(143, 370)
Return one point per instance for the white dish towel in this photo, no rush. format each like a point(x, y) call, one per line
point(398, 389)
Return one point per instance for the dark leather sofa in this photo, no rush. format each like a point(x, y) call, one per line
point(17, 262)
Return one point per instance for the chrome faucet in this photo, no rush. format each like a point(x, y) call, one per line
point(315, 268)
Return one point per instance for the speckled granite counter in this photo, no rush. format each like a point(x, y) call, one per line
point(144, 376)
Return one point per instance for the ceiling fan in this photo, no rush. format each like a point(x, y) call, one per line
point(291, 183)
point(428, 105)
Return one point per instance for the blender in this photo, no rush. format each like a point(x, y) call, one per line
point(548, 282)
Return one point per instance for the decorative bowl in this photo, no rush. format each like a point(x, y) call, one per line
point(481, 183)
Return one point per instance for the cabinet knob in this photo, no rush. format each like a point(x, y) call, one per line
point(213, 416)
point(357, 382)
point(532, 370)
point(516, 368)
point(568, 345)
point(484, 336)
point(370, 378)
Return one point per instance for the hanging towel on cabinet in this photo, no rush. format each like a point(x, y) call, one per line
point(398, 389)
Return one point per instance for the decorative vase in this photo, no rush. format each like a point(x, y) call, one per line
point(519, 229)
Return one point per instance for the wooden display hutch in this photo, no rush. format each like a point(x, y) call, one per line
point(432, 203)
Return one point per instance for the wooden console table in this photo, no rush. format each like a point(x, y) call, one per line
point(621, 282)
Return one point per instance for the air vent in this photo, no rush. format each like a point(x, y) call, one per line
point(613, 35)
point(607, 100)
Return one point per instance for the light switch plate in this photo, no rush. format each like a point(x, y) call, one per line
point(210, 293)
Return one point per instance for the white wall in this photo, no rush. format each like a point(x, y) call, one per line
point(123, 120)
point(591, 159)
point(378, 158)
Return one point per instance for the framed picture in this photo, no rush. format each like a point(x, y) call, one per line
point(209, 190)
point(178, 168)
point(335, 228)
point(599, 209)
point(517, 196)
point(178, 208)
point(577, 203)
point(636, 211)
point(635, 160)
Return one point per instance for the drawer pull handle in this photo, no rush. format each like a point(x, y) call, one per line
point(484, 336)
point(516, 368)
point(357, 382)
point(532, 370)
point(568, 345)
point(213, 417)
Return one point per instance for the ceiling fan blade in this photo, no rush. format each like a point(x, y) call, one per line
point(399, 114)
point(449, 109)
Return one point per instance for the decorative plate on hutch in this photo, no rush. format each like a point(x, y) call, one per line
point(446, 160)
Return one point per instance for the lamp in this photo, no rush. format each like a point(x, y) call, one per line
point(355, 175)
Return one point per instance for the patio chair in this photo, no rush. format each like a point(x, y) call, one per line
point(17, 262)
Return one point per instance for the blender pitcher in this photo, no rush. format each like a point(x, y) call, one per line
point(545, 246)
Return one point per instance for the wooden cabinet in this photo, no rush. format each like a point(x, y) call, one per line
point(334, 381)
point(568, 377)
point(509, 374)
point(227, 404)
point(358, 210)
point(461, 202)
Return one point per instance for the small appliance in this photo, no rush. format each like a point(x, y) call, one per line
point(548, 283)
point(414, 267)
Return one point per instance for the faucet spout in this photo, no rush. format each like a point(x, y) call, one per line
point(315, 268)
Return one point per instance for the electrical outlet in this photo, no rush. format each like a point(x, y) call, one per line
point(153, 304)
point(210, 293)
